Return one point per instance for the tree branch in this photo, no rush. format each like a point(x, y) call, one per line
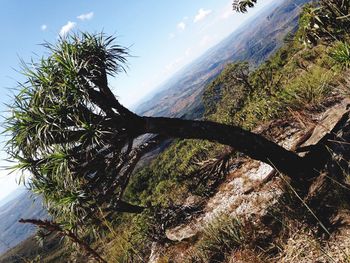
point(54, 227)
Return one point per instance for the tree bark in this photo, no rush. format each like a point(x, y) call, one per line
point(129, 208)
point(253, 145)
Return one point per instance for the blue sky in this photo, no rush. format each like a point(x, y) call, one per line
point(162, 36)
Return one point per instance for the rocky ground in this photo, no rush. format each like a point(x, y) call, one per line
point(252, 188)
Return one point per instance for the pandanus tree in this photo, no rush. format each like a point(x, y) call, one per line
point(76, 142)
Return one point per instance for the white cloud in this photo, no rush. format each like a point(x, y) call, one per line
point(66, 28)
point(201, 15)
point(43, 27)
point(86, 16)
point(181, 26)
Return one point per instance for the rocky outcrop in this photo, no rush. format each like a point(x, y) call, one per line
point(253, 187)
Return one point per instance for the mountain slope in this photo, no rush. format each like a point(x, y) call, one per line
point(12, 232)
point(181, 95)
point(11, 196)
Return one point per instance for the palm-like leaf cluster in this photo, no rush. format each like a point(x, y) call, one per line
point(68, 130)
point(242, 6)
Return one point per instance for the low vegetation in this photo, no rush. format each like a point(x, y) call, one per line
point(341, 54)
point(220, 237)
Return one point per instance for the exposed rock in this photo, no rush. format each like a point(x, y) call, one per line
point(252, 187)
point(327, 123)
point(238, 195)
point(155, 253)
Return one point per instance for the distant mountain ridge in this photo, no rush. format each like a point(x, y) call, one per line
point(253, 42)
point(23, 206)
point(11, 196)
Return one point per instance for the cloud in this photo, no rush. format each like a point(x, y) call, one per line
point(43, 27)
point(66, 28)
point(86, 16)
point(181, 26)
point(201, 15)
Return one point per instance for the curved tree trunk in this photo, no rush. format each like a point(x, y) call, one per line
point(123, 206)
point(253, 145)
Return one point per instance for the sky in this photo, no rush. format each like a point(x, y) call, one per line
point(162, 36)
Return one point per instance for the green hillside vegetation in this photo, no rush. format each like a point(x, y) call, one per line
point(52, 250)
point(180, 95)
point(297, 82)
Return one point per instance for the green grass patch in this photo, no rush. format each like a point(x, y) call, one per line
point(219, 239)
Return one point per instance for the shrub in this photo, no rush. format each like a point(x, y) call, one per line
point(341, 54)
point(219, 239)
point(308, 90)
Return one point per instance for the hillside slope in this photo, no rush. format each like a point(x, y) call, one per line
point(12, 232)
point(254, 42)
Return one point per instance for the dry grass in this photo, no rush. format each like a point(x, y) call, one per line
point(300, 247)
point(246, 256)
point(304, 247)
point(219, 239)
